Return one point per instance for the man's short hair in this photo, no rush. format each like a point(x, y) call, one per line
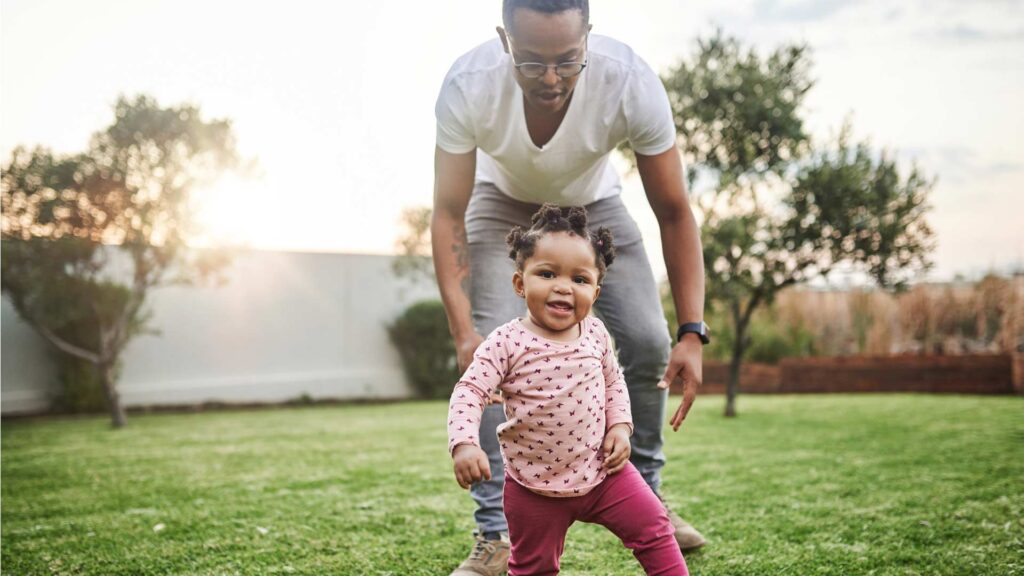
point(546, 6)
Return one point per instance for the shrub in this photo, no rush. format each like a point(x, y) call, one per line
point(426, 347)
point(80, 389)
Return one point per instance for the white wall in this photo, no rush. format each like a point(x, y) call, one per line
point(284, 324)
point(27, 371)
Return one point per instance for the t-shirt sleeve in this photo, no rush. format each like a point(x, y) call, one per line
point(454, 125)
point(473, 391)
point(617, 409)
point(649, 124)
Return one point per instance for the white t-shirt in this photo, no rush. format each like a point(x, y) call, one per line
point(618, 97)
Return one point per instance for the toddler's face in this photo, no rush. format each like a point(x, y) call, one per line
point(559, 283)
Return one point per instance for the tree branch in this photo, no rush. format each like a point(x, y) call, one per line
point(66, 346)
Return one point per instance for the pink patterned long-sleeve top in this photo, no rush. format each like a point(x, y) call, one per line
point(560, 398)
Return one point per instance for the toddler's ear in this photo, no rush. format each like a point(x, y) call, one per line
point(517, 284)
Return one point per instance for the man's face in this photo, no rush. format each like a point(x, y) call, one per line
point(547, 39)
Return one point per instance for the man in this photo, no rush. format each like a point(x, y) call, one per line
point(532, 117)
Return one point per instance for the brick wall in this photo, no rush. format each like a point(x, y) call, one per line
point(754, 378)
point(1018, 373)
point(975, 374)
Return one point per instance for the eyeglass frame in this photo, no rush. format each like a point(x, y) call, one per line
point(518, 67)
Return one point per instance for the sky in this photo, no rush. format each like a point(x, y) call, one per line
point(334, 101)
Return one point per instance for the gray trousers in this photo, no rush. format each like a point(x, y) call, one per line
point(629, 305)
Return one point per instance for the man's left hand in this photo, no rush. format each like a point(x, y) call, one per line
point(685, 364)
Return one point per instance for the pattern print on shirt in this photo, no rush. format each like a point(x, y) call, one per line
point(557, 414)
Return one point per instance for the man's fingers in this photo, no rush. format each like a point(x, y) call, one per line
point(674, 370)
point(688, 399)
point(684, 409)
point(677, 418)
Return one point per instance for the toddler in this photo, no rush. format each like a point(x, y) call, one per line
point(565, 443)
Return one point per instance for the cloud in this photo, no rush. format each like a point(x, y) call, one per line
point(1004, 167)
point(959, 169)
point(973, 34)
point(800, 10)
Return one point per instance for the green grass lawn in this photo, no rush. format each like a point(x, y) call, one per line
point(837, 484)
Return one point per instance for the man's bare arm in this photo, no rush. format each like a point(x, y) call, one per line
point(453, 185)
point(662, 176)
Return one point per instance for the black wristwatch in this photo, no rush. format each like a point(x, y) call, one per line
point(698, 328)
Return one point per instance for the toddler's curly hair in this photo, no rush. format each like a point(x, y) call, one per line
point(552, 218)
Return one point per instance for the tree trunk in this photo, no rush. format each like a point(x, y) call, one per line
point(732, 387)
point(107, 378)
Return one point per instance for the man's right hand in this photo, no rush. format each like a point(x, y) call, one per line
point(464, 351)
point(470, 465)
point(465, 348)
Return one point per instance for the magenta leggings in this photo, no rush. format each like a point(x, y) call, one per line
point(623, 503)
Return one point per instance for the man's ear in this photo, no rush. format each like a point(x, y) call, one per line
point(517, 284)
point(504, 37)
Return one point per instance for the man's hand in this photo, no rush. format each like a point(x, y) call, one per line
point(616, 448)
point(464, 349)
point(685, 364)
point(470, 465)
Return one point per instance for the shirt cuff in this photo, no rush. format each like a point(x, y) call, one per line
point(627, 421)
point(456, 443)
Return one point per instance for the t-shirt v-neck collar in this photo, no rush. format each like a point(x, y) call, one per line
point(574, 102)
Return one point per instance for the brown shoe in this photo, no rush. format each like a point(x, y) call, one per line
point(686, 535)
point(488, 558)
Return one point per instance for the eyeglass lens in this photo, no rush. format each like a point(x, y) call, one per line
point(536, 70)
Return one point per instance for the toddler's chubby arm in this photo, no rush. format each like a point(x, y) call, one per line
point(465, 410)
point(471, 465)
point(618, 417)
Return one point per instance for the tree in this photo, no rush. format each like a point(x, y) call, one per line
point(414, 260)
point(87, 236)
point(782, 212)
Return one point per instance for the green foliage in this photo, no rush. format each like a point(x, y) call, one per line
point(413, 245)
point(86, 236)
point(781, 210)
point(426, 347)
point(80, 386)
point(737, 113)
point(769, 338)
point(849, 205)
point(771, 341)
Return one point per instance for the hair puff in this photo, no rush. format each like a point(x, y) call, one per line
point(551, 218)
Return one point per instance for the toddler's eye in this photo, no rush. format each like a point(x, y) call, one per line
point(580, 280)
point(547, 274)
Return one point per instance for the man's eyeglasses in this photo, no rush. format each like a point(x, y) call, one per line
point(534, 70)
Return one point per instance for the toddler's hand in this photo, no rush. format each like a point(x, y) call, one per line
point(470, 465)
point(616, 448)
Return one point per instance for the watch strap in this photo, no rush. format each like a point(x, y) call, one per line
point(698, 328)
